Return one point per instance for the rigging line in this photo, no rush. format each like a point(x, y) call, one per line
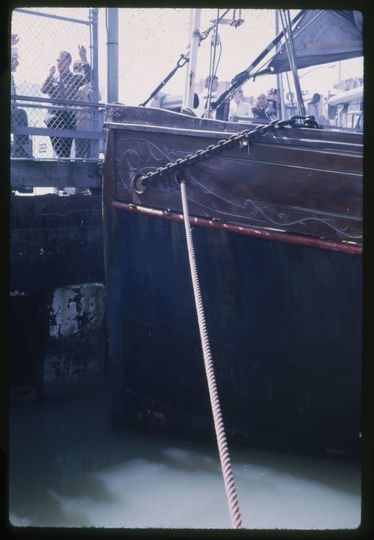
point(185, 57)
point(296, 33)
point(216, 42)
point(206, 33)
point(211, 67)
point(291, 60)
point(210, 81)
point(219, 57)
point(223, 450)
point(302, 29)
point(242, 77)
point(289, 92)
point(286, 41)
point(294, 70)
point(287, 77)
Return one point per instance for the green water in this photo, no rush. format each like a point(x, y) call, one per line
point(69, 468)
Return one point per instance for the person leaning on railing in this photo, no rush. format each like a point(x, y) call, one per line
point(63, 86)
point(83, 118)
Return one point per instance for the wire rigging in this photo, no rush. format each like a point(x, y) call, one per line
point(183, 57)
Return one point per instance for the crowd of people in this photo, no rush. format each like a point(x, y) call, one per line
point(67, 85)
point(71, 82)
point(264, 107)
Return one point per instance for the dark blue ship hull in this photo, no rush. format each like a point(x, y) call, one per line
point(284, 323)
point(286, 341)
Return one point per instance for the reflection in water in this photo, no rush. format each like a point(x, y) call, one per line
point(69, 468)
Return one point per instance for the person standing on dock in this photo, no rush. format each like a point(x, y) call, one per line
point(63, 86)
point(83, 118)
point(22, 146)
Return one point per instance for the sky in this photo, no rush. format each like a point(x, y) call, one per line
point(151, 41)
point(150, 47)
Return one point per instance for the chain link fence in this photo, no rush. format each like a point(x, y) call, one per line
point(55, 116)
point(55, 110)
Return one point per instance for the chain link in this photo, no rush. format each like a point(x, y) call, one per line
point(141, 182)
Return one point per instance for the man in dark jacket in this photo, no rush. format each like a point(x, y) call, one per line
point(65, 86)
point(259, 110)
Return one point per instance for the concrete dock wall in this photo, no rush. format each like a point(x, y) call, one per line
point(57, 296)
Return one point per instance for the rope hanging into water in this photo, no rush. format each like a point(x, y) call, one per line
point(223, 450)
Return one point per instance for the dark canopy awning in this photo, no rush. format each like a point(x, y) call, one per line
point(322, 36)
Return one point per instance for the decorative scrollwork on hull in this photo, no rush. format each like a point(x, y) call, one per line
point(140, 157)
point(280, 219)
point(209, 196)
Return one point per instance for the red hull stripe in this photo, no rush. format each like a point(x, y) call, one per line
point(354, 249)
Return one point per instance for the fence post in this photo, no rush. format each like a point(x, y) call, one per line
point(95, 76)
point(112, 55)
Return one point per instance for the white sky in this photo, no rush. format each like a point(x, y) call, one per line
point(150, 43)
point(150, 46)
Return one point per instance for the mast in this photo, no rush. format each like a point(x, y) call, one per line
point(214, 43)
point(111, 15)
point(191, 66)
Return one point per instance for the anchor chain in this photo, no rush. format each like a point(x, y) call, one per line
point(141, 182)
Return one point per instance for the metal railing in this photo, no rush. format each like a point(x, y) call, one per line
point(47, 122)
point(54, 129)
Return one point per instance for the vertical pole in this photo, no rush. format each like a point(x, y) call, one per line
point(112, 54)
point(291, 58)
point(282, 108)
point(214, 43)
point(94, 45)
point(340, 107)
point(189, 88)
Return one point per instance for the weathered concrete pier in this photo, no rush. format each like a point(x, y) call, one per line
point(56, 279)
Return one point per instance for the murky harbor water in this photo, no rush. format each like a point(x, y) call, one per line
point(69, 468)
